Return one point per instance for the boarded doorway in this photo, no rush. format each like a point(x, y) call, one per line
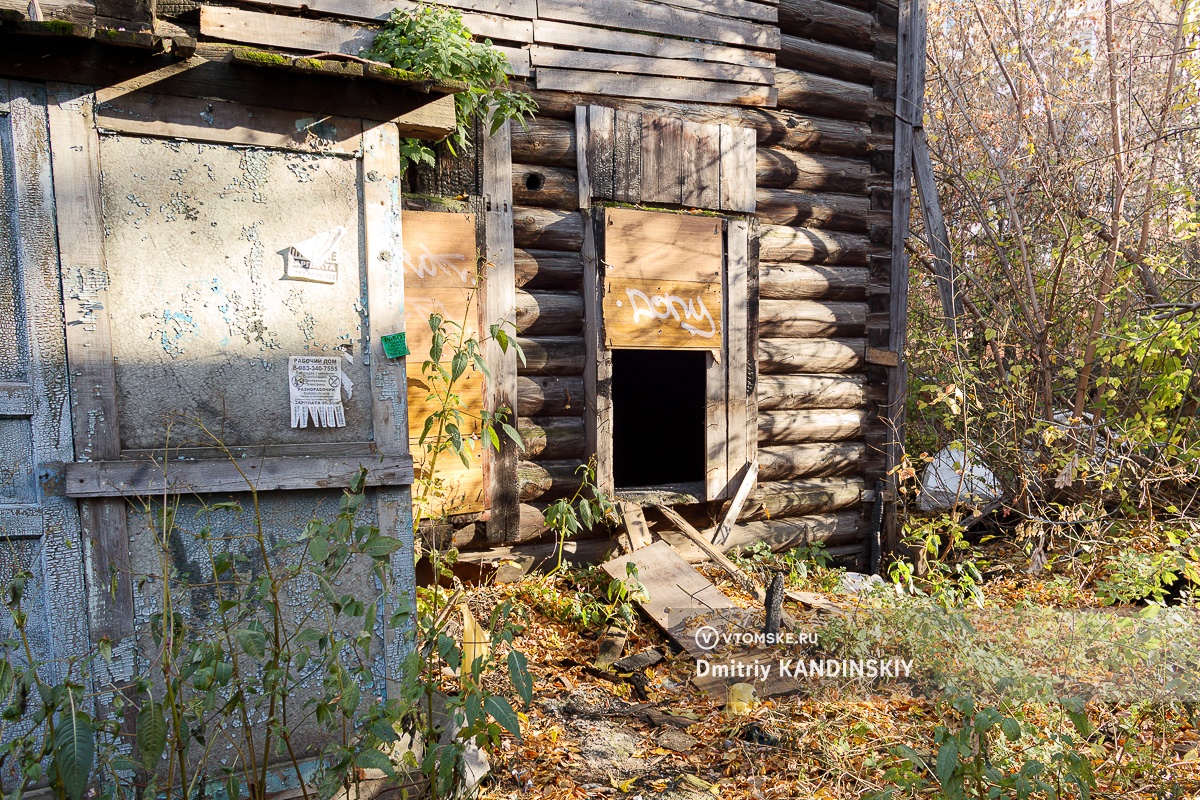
point(659, 417)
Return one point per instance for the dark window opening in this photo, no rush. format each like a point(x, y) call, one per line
point(659, 417)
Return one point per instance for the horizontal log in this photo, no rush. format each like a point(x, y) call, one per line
point(549, 313)
point(843, 212)
point(781, 462)
point(819, 425)
point(802, 282)
point(545, 141)
point(829, 97)
point(551, 355)
point(549, 395)
point(655, 87)
point(778, 499)
point(808, 318)
point(137, 478)
point(796, 392)
point(779, 534)
point(782, 169)
point(791, 356)
point(549, 438)
point(546, 229)
point(808, 55)
point(789, 244)
point(548, 269)
point(547, 480)
point(828, 22)
point(547, 187)
point(811, 132)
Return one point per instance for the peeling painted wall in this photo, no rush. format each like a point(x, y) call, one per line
point(203, 317)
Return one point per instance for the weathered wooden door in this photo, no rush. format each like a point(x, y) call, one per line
point(39, 527)
point(225, 291)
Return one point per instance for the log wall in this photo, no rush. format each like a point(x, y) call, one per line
point(824, 177)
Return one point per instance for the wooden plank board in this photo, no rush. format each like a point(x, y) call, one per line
point(658, 314)
point(738, 166)
point(450, 304)
point(75, 155)
point(562, 33)
point(675, 588)
point(662, 160)
point(646, 65)
point(486, 25)
point(716, 431)
point(654, 245)
point(597, 373)
point(601, 130)
point(170, 116)
point(634, 86)
point(627, 157)
point(741, 443)
point(470, 388)
point(500, 308)
point(749, 476)
point(582, 172)
point(439, 251)
point(149, 477)
point(635, 525)
point(701, 174)
point(738, 9)
point(641, 15)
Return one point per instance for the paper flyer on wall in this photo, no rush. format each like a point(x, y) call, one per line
point(315, 383)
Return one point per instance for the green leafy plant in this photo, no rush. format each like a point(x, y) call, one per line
point(431, 42)
point(587, 508)
point(946, 568)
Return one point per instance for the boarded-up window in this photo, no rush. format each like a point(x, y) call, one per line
point(441, 277)
point(662, 282)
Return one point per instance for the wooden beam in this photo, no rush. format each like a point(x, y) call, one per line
point(483, 25)
point(169, 116)
point(635, 525)
point(742, 444)
point(500, 308)
point(75, 155)
point(127, 479)
point(211, 74)
point(613, 84)
point(616, 41)
point(648, 65)
point(718, 558)
point(597, 378)
point(640, 15)
point(749, 476)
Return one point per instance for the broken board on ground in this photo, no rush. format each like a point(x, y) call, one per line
point(676, 591)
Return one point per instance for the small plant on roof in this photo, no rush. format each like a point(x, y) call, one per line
point(432, 42)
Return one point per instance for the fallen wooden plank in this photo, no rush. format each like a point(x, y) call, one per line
point(673, 589)
point(635, 525)
point(749, 476)
point(712, 552)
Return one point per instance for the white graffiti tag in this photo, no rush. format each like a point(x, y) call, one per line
point(661, 306)
point(428, 264)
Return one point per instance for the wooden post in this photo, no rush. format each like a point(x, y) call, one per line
point(75, 155)
point(500, 308)
point(597, 376)
point(935, 231)
point(389, 396)
point(910, 72)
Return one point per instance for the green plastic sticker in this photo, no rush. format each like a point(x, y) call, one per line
point(394, 345)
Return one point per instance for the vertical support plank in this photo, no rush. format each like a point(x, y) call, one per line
point(627, 155)
point(581, 157)
point(701, 175)
point(752, 245)
point(662, 160)
point(597, 376)
point(716, 435)
point(738, 152)
point(75, 156)
point(741, 450)
point(910, 67)
point(602, 123)
point(30, 231)
point(389, 395)
point(500, 308)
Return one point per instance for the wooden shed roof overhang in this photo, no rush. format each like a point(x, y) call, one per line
point(144, 81)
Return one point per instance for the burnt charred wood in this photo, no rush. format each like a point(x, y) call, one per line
point(773, 605)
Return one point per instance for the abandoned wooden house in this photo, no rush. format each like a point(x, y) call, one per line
point(698, 239)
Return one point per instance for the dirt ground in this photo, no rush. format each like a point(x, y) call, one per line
point(587, 734)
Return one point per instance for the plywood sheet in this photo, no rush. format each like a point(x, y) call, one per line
point(662, 314)
point(441, 277)
point(675, 589)
point(657, 245)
